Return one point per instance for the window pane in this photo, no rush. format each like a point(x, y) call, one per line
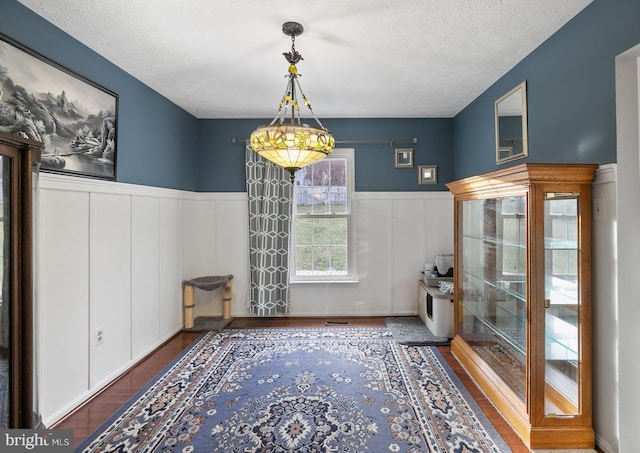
point(321, 187)
point(321, 231)
point(321, 259)
point(304, 231)
point(339, 259)
point(338, 199)
point(304, 257)
point(338, 231)
point(325, 246)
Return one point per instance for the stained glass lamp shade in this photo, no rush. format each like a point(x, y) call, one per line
point(292, 145)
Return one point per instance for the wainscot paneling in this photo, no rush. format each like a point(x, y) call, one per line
point(395, 233)
point(110, 258)
point(408, 230)
point(605, 307)
point(109, 285)
point(170, 266)
point(374, 250)
point(145, 287)
point(62, 299)
point(113, 256)
point(198, 252)
point(215, 242)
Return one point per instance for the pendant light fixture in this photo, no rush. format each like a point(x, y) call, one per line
point(292, 145)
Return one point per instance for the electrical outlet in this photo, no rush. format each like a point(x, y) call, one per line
point(599, 209)
point(99, 336)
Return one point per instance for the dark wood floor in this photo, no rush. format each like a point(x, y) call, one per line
point(92, 414)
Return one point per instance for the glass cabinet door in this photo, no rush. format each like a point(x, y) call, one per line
point(562, 305)
point(493, 280)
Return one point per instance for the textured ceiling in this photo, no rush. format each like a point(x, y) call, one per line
point(362, 59)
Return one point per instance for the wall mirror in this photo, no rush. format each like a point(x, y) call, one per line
point(511, 125)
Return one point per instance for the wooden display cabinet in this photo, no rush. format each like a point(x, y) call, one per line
point(523, 297)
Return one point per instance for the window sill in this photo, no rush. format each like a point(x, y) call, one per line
point(306, 282)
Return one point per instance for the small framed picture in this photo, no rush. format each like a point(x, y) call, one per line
point(404, 158)
point(428, 174)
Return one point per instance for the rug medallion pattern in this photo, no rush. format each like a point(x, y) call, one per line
point(301, 390)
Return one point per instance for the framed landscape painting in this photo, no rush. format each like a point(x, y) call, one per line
point(74, 118)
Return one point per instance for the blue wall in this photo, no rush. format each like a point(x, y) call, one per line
point(161, 145)
point(221, 162)
point(156, 141)
point(570, 91)
point(571, 112)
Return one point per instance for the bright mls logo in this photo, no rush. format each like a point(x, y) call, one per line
point(36, 440)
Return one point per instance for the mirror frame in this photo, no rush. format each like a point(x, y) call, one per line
point(522, 87)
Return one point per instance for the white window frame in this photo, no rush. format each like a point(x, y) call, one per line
point(351, 276)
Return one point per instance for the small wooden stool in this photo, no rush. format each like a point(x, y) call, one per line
point(206, 284)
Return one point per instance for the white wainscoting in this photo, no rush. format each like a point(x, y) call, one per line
point(396, 233)
point(145, 287)
point(63, 300)
point(112, 256)
point(109, 258)
point(215, 242)
point(605, 308)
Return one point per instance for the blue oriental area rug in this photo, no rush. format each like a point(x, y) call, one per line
point(342, 389)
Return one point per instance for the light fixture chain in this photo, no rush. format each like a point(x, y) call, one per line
point(308, 104)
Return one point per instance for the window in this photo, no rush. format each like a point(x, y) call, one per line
point(322, 220)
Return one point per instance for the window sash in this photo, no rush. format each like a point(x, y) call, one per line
point(315, 246)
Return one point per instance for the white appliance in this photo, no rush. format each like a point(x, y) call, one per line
point(436, 310)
